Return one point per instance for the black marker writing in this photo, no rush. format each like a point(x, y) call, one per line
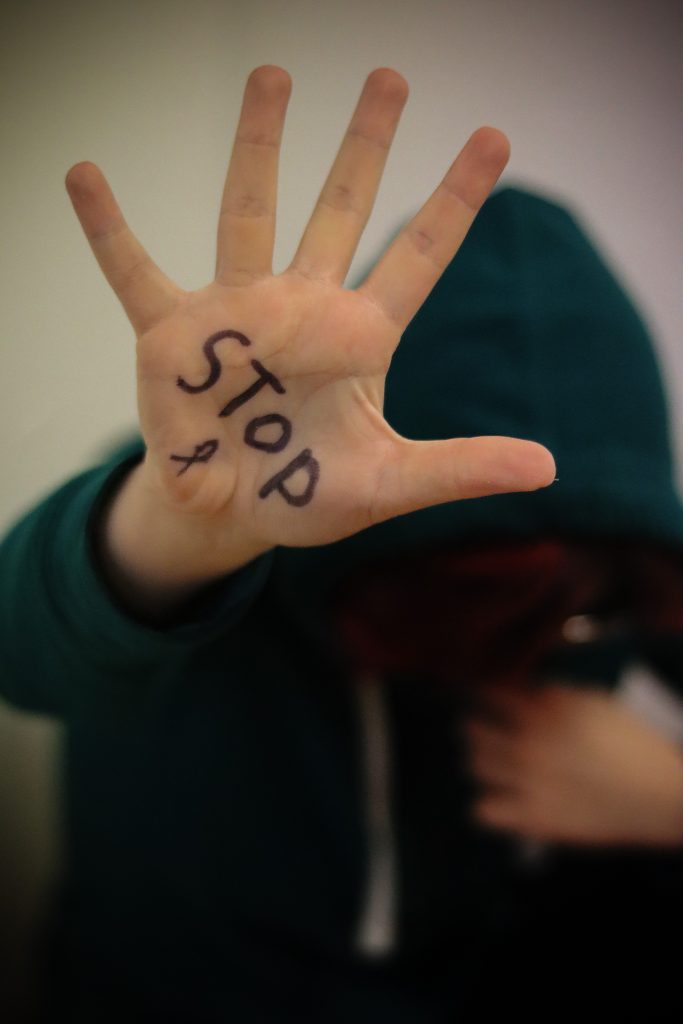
point(254, 425)
point(304, 460)
point(202, 453)
point(264, 377)
point(214, 362)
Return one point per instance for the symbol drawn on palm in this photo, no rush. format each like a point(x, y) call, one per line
point(305, 460)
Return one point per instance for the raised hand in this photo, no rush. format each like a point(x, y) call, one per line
point(260, 396)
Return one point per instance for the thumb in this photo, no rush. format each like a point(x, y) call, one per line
point(425, 473)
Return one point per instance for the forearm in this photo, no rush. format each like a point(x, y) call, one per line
point(154, 557)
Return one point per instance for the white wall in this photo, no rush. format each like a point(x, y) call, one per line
point(588, 92)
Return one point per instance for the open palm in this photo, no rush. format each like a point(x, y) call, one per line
point(261, 396)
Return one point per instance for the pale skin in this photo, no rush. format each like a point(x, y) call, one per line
point(167, 533)
point(574, 767)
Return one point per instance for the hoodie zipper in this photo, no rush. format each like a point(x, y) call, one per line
point(377, 924)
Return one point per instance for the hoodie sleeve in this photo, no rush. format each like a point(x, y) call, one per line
point(64, 639)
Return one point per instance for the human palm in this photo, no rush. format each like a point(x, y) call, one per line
point(260, 395)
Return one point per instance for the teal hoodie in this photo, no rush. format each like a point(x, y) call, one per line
point(529, 334)
point(222, 843)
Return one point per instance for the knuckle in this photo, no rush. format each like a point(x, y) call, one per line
point(372, 139)
point(125, 277)
point(247, 205)
point(258, 139)
point(456, 194)
point(425, 244)
point(342, 198)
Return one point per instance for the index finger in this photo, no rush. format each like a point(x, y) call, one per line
point(406, 273)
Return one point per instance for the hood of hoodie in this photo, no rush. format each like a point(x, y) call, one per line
point(528, 334)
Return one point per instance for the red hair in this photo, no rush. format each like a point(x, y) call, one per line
point(495, 612)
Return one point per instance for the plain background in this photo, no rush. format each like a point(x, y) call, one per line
point(590, 94)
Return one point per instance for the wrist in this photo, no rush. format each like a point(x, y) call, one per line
point(155, 555)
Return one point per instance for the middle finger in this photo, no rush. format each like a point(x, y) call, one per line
point(246, 226)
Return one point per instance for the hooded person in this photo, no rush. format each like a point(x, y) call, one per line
point(269, 800)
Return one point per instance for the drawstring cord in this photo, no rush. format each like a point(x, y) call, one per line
point(376, 935)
